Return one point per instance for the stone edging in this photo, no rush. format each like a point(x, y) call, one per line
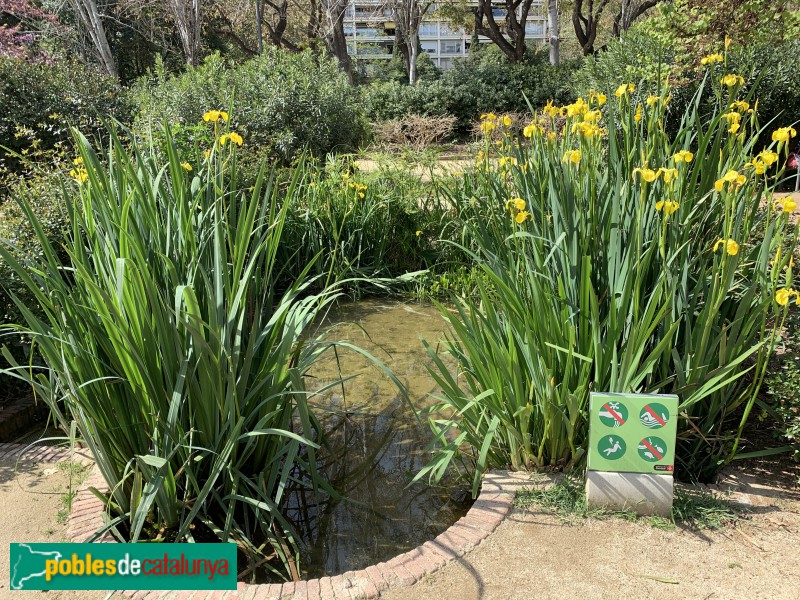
point(487, 512)
point(33, 452)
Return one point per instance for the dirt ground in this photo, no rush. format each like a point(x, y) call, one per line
point(534, 555)
point(30, 498)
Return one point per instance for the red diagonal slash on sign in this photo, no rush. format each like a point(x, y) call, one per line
point(654, 415)
point(614, 414)
point(653, 450)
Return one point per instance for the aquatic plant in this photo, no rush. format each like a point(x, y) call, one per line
point(166, 341)
point(615, 258)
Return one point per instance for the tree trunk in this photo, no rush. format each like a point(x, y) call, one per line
point(552, 26)
point(89, 15)
point(333, 33)
point(413, 53)
point(259, 30)
point(188, 21)
point(628, 14)
point(512, 46)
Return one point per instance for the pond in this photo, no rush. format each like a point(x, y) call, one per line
point(377, 443)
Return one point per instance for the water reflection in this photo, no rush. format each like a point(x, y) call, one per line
point(377, 444)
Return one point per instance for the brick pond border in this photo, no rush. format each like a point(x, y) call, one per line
point(487, 512)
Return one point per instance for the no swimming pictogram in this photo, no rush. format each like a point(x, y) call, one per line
point(654, 415)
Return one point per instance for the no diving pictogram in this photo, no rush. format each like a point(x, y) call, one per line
point(611, 447)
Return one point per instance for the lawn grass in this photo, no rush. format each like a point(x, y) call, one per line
point(692, 508)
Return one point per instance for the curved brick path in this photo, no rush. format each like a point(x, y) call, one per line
point(487, 512)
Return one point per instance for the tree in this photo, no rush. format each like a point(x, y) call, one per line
point(629, 11)
point(698, 27)
point(552, 29)
point(91, 19)
point(586, 23)
point(20, 27)
point(276, 20)
point(188, 21)
point(587, 16)
point(509, 35)
point(408, 16)
point(331, 29)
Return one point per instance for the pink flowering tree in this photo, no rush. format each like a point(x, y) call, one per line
point(21, 22)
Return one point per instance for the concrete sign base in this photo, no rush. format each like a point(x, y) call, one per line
point(644, 493)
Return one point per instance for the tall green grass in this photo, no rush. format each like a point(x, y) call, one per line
point(166, 339)
point(593, 286)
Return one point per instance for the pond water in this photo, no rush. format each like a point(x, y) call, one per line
point(377, 443)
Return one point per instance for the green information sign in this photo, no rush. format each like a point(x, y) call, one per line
point(634, 433)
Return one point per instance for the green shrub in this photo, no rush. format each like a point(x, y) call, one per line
point(783, 386)
point(362, 225)
point(614, 265)
point(483, 82)
point(769, 70)
point(286, 104)
point(395, 69)
point(39, 102)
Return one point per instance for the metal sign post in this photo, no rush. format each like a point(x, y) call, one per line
point(631, 454)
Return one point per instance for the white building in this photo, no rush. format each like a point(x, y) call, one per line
point(369, 28)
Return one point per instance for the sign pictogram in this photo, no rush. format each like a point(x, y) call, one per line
point(612, 447)
point(652, 449)
point(654, 415)
point(613, 414)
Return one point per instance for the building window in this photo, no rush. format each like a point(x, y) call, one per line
point(428, 29)
point(429, 47)
point(451, 47)
point(535, 29)
point(368, 32)
point(447, 32)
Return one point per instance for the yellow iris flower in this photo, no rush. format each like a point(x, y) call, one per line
point(234, 138)
point(731, 246)
point(186, 166)
point(625, 88)
point(731, 177)
point(784, 134)
point(787, 205)
point(740, 105)
point(215, 116)
point(731, 80)
point(769, 157)
point(711, 59)
point(531, 130)
point(522, 216)
point(79, 175)
point(668, 174)
point(683, 156)
point(573, 156)
point(647, 175)
point(667, 206)
point(783, 295)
